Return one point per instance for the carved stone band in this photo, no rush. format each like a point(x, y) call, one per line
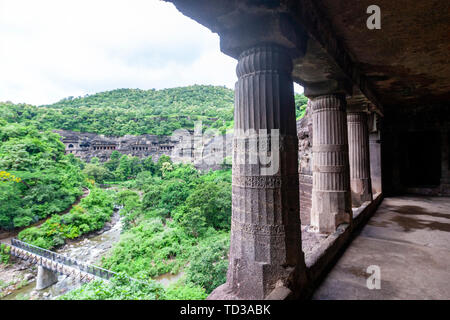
point(261, 229)
point(265, 182)
point(330, 169)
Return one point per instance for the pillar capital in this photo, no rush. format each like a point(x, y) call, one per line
point(357, 102)
point(356, 116)
point(264, 58)
point(247, 28)
point(329, 102)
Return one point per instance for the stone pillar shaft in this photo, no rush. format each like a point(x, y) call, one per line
point(331, 202)
point(265, 228)
point(375, 161)
point(359, 158)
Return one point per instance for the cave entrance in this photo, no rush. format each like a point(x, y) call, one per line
point(421, 159)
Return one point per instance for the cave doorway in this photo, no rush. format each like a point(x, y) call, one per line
point(421, 159)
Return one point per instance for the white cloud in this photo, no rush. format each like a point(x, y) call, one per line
point(51, 49)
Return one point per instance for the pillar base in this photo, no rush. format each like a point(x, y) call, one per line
point(330, 209)
point(296, 285)
point(361, 191)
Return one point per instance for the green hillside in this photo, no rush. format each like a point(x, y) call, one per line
point(134, 111)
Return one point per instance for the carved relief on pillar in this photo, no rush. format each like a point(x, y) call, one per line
point(265, 232)
point(359, 158)
point(331, 199)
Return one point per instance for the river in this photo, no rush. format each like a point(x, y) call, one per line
point(87, 249)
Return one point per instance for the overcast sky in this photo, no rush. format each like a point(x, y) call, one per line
point(51, 49)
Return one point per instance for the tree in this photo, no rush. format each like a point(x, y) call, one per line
point(162, 159)
point(95, 160)
point(45, 180)
point(149, 165)
point(166, 168)
point(300, 105)
point(214, 203)
point(191, 220)
point(113, 161)
point(123, 171)
point(97, 172)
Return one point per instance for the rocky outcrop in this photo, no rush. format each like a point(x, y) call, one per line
point(89, 145)
point(203, 151)
point(209, 153)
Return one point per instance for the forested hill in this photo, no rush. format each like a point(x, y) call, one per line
point(134, 111)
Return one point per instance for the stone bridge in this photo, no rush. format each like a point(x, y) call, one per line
point(50, 264)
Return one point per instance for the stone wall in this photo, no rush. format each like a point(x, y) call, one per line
point(416, 148)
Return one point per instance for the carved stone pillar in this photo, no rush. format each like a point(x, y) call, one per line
point(265, 248)
point(331, 199)
point(375, 161)
point(359, 158)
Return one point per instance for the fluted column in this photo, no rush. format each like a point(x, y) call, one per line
point(359, 158)
point(331, 199)
point(375, 161)
point(265, 229)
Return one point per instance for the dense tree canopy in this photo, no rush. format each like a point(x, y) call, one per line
point(46, 181)
point(134, 111)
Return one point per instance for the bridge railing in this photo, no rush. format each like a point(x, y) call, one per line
point(53, 256)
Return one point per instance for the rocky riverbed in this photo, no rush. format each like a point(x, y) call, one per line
point(15, 276)
point(18, 279)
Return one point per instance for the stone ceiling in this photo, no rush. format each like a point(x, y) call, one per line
point(407, 62)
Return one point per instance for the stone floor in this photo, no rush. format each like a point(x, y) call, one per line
point(409, 239)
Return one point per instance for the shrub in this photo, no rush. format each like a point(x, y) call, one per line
point(208, 265)
point(91, 214)
point(5, 253)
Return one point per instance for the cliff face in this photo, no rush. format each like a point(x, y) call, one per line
point(208, 153)
point(88, 145)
